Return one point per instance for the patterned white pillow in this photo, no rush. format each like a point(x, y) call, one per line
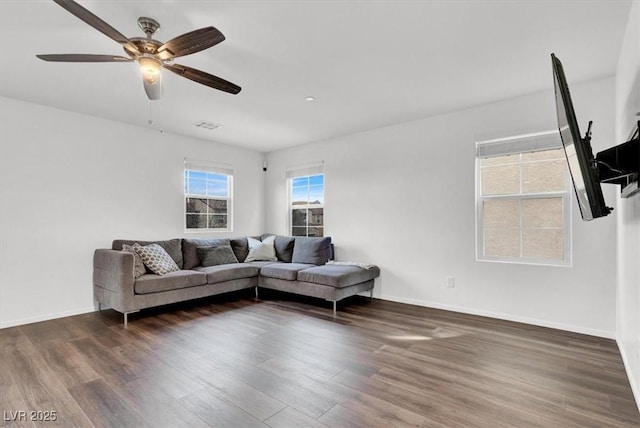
point(156, 258)
point(264, 250)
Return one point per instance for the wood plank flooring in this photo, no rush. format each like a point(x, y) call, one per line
point(284, 361)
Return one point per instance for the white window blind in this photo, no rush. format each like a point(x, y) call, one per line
point(208, 166)
point(314, 168)
point(519, 144)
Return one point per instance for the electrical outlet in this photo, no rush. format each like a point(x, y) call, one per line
point(451, 282)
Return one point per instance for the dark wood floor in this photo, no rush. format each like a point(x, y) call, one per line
point(283, 361)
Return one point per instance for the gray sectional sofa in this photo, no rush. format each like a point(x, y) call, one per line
point(301, 268)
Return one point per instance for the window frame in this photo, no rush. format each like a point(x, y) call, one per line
point(565, 195)
point(291, 207)
point(228, 199)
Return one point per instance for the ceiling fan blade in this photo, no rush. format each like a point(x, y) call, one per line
point(203, 78)
point(188, 43)
point(83, 58)
point(97, 23)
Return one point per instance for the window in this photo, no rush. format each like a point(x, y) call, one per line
point(523, 204)
point(207, 196)
point(307, 205)
point(306, 200)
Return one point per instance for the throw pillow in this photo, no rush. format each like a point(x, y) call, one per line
point(190, 249)
point(156, 258)
point(173, 247)
point(312, 250)
point(264, 250)
point(218, 255)
point(138, 266)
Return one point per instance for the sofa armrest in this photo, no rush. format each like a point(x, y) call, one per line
point(114, 271)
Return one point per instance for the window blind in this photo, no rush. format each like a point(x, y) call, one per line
point(306, 169)
point(208, 166)
point(519, 144)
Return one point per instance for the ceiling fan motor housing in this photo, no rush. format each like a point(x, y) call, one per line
point(148, 25)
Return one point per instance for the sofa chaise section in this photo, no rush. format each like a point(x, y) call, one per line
point(330, 282)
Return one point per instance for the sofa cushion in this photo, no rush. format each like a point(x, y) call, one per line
point(338, 275)
point(261, 264)
point(283, 246)
point(151, 283)
point(156, 258)
point(313, 250)
point(286, 271)
point(264, 250)
point(138, 265)
point(213, 256)
point(222, 273)
point(190, 252)
point(173, 247)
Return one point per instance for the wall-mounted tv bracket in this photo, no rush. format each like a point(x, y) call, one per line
point(621, 164)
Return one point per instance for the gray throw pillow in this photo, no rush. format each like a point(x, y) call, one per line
point(138, 266)
point(189, 249)
point(218, 255)
point(156, 258)
point(316, 251)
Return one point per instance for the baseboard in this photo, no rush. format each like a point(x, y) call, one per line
point(634, 387)
point(29, 320)
point(503, 316)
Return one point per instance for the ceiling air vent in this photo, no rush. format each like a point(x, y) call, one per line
point(206, 125)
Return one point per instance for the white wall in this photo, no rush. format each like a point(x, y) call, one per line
point(627, 89)
point(403, 197)
point(72, 183)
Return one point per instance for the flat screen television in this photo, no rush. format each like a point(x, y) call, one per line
point(582, 164)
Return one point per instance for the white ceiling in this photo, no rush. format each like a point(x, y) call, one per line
point(367, 63)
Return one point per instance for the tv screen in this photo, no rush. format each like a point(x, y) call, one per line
point(582, 165)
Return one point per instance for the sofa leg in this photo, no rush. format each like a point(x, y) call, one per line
point(126, 317)
point(256, 292)
point(99, 307)
point(334, 308)
point(371, 295)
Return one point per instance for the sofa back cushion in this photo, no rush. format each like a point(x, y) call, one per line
point(190, 249)
point(173, 247)
point(240, 248)
point(283, 245)
point(312, 250)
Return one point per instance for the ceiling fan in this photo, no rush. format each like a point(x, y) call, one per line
point(149, 53)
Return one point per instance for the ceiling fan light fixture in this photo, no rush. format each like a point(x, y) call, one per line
point(150, 68)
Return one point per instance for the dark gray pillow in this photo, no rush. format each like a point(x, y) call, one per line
point(218, 255)
point(189, 247)
point(173, 247)
point(283, 246)
point(311, 250)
